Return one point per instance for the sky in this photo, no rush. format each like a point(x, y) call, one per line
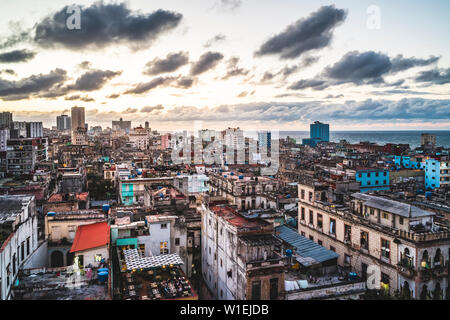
point(256, 64)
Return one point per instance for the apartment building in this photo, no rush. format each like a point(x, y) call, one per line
point(23, 154)
point(240, 256)
point(437, 172)
point(246, 192)
point(397, 246)
point(18, 238)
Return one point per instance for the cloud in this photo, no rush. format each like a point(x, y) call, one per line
point(113, 96)
point(217, 38)
point(233, 70)
point(16, 56)
point(170, 63)
point(8, 71)
point(85, 65)
point(435, 76)
point(310, 83)
point(149, 109)
point(185, 82)
point(399, 63)
point(103, 25)
point(93, 80)
point(130, 110)
point(206, 61)
point(143, 87)
point(362, 68)
point(80, 98)
point(32, 85)
point(366, 67)
point(229, 5)
point(312, 33)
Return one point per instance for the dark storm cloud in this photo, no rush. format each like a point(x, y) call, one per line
point(233, 70)
point(84, 65)
point(31, 85)
point(113, 96)
point(311, 33)
point(435, 76)
point(105, 24)
point(363, 68)
point(399, 63)
point(217, 38)
point(170, 63)
point(16, 56)
point(360, 67)
point(154, 83)
point(207, 61)
point(93, 80)
point(149, 109)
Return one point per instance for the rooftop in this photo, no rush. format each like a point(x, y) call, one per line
point(309, 252)
point(91, 236)
point(395, 207)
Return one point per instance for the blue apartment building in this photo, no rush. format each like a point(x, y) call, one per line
point(318, 132)
point(373, 179)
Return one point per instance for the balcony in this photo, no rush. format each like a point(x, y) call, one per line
point(406, 267)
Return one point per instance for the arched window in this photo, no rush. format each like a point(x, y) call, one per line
point(424, 293)
point(437, 257)
point(57, 259)
point(406, 252)
point(437, 292)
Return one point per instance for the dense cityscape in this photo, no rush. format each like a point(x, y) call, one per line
point(93, 213)
point(224, 158)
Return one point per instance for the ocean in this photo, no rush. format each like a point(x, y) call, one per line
point(380, 137)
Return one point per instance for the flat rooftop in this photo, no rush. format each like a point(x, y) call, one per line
point(395, 207)
point(59, 284)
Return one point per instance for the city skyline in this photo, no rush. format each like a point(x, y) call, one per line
point(342, 63)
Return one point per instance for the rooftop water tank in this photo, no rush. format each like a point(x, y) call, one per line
point(241, 177)
point(105, 207)
point(103, 276)
point(51, 214)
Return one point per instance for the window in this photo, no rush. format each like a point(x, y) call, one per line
point(163, 225)
point(332, 248)
point(311, 238)
point(385, 215)
point(385, 281)
point(385, 248)
point(273, 289)
point(332, 226)
point(177, 241)
point(302, 192)
point(319, 221)
point(22, 251)
point(347, 233)
point(163, 249)
point(311, 217)
point(98, 258)
point(303, 214)
point(319, 242)
point(310, 195)
point(364, 240)
point(347, 259)
point(28, 246)
point(303, 234)
point(256, 290)
point(400, 220)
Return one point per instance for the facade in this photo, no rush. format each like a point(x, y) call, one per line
point(34, 129)
point(4, 137)
point(427, 139)
point(320, 131)
point(6, 119)
point(234, 138)
point(18, 238)
point(140, 138)
point(63, 122)
point(437, 173)
point(373, 179)
point(23, 154)
point(240, 260)
point(265, 139)
point(79, 137)
point(121, 125)
point(77, 118)
point(397, 241)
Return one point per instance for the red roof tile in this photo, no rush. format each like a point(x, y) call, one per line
point(90, 236)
